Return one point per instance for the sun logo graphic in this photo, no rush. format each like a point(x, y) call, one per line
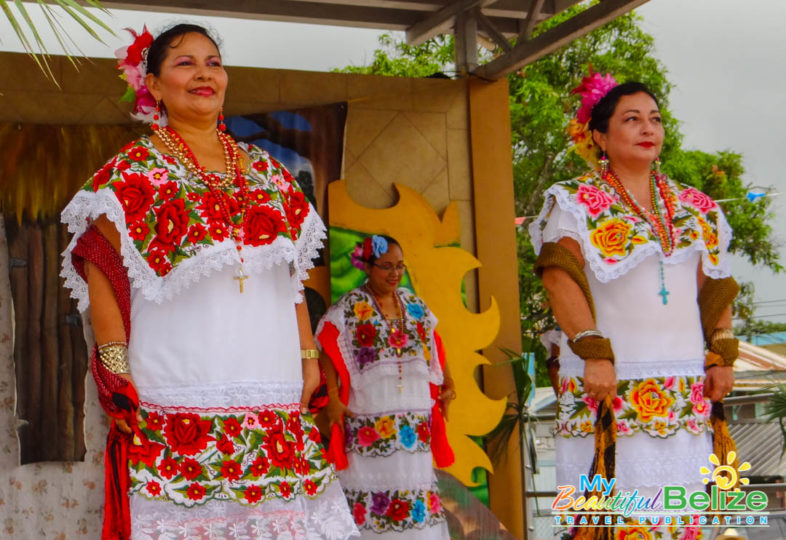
point(725, 476)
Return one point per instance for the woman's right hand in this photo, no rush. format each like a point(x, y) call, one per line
point(600, 379)
point(336, 410)
point(121, 424)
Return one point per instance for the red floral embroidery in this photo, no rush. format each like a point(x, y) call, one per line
point(231, 470)
point(697, 199)
point(187, 433)
point(145, 451)
point(262, 225)
point(279, 450)
point(424, 432)
point(297, 209)
point(138, 230)
point(168, 190)
point(253, 494)
point(225, 445)
point(190, 468)
point(259, 196)
point(135, 194)
point(168, 468)
point(154, 488)
point(268, 419)
point(138, 153)
point(195, 492)
point(359, 513)
point(218, 231)
point(260, 165)
point(365, 333)
point(154, 421)
point(196, 233)
point(314, 435)
point(158, 261)
point(259, 467)
point(171, 224)
point(398, 510)
point(232, 427)
point(421, 332)
point(310, 487)
point(210, 208)
point(285, 489)
point(103, 175)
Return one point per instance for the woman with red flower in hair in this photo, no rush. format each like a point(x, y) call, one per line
point(387, 414)
point(637, 273)
point(189, 253)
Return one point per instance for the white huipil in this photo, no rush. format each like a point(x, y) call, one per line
point(390, 482)
point(218, 372)
point(663, 436)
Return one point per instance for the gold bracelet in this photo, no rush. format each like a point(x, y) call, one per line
point(307, 354)
point(114, 357)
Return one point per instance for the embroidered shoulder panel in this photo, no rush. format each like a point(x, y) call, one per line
point(614, 239)
point(167, 217)
point(370, 341)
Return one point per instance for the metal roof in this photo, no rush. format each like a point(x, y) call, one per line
point(760, 445)
point(504, 24)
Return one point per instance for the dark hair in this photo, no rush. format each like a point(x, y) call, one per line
point(390, 240)
point(158, 49)
point(604, 109)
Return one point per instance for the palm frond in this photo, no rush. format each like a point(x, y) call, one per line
point(28, 34)
point(776, 408)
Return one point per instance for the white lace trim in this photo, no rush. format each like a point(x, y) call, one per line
point(224, 395)
point(87, 206)
point(605, 272)
point(307, 246)
point(572, 366)
point(325, 517)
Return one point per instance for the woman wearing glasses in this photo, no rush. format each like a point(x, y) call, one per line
point(389, 389)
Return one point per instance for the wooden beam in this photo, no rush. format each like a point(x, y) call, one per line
point(580, 25)
point(440, 20)
point(466, 44)
point(488, 27)
point(535, 7)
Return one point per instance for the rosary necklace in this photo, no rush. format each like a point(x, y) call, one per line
point(661, 223)
point(234, 176)
point(391, 326)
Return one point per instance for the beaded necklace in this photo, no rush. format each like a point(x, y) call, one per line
point(234, 176)
point(661, 223)
point(391, 325)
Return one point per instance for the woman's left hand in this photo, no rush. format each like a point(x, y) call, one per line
point(446, 395)
point(718, 382)
point(310, 382)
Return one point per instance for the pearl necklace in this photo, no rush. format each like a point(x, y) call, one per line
point(234, 176)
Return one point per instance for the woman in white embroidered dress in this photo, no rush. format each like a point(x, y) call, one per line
point(646, 245)
point(224, 447)
point(387, 415)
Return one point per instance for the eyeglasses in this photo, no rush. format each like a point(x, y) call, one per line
point(388, 267)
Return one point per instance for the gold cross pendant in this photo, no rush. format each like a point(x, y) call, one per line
point(240, 277)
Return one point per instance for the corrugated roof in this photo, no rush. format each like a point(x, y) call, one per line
point(760, 445)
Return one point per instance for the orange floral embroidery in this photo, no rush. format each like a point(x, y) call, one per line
point(649, 400)
point(385, 427)
point(363, 310)
point(633, 533)
point(611, 237)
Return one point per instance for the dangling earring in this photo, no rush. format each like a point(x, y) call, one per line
point(604, 163)
point(656, 166)
point(221, 125)
point(157, 116)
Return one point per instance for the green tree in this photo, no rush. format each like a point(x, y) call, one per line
point(541, 106)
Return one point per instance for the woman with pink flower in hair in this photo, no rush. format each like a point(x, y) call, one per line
point(188, 257)
point(637, 273)
point(389, 390)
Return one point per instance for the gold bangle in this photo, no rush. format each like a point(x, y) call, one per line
point(721, 333)
point(307, 354)
point(114, 357)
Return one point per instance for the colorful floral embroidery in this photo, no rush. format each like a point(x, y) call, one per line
point(658, 406)
point(634, 531)
point(615, 233)
point(247, 456)
point(383, 435)
point(371, 335)
point(395, 510)
point(170, 215)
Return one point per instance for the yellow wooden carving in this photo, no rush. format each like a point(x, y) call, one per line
point(437, 271)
